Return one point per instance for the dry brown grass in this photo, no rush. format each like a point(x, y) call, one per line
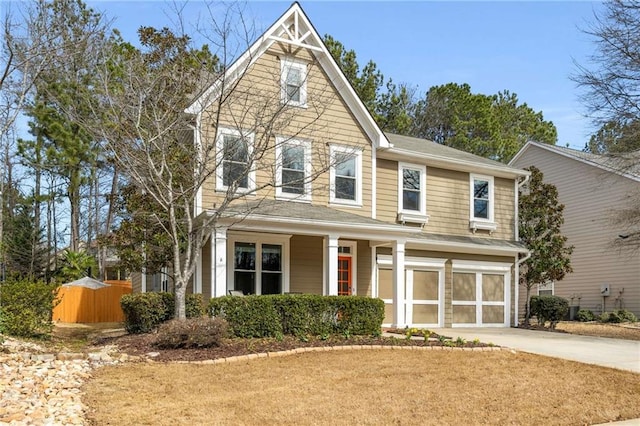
point(626, 331)
point(366, 387)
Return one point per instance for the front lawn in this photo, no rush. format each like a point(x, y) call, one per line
point(365, 387)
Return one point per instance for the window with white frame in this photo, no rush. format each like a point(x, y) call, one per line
point(412, 205)
point(234, 160)
point(546, 289)
point(481, 203)
point(260, 264)
point(293, 171)
point(293, 81)
point(346, 175)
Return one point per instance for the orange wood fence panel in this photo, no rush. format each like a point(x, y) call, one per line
point(85, 305)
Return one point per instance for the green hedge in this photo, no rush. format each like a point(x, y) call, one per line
point(549, 308)
point(145, 311)
point(299, 315)
point(26, 308)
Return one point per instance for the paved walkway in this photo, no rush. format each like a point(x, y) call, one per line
point(616, 353)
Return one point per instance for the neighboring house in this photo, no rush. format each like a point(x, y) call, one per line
point(429, 229)
point(592, 187)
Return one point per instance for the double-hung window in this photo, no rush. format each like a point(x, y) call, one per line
point(234, 168)
point(346, 175)
point(412, 204)
point(293, 172)
point(481, 203)
point(293, 81)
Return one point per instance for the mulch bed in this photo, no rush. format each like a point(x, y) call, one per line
point(143, 344)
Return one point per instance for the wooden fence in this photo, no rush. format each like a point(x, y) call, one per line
point(85, 305)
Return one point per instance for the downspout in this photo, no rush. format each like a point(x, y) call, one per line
point(517, 286)
point(516, 232)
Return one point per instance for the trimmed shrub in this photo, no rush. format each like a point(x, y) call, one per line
point(618, 316)
point(26, 308)
point(145, 311)
point(549, 308)
point(251, 316)
point(198, 332)
point(299, 315)
point(585, 315)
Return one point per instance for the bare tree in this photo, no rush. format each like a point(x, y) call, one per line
point(611, 84)
point(164, 118)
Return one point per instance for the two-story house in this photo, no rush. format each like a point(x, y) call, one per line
point(335, 206)
point(594, 189)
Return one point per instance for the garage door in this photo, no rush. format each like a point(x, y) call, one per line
point(480, 294)
point(423, 304)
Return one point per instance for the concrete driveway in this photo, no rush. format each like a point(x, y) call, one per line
point(616, 353)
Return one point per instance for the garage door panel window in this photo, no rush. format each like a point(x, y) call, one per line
point(492, 288)
point(464, 287)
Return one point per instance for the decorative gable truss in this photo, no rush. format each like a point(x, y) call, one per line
point(294, 29)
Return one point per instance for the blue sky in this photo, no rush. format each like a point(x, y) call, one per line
point(527, 48)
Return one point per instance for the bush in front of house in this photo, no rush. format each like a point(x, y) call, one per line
point(197, 332)
point(549, 308)
point(585, 315)
point(618, 316)
point(299, 315)
point(145, 311)
point(26, 308)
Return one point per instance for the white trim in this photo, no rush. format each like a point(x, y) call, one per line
point(258, 239)
point(219, 262)
point(422, 191)
point(198, 141)
point(413, 264)
point(374, 184)
point(478, 268)
point(357, 154)
point(248, 137)
point(307, 37)
point(286, 64)
point(551, 284)
point(353, 254)
point(398, 273)
point(306, 145)
point(331, 249)
point(476, 223)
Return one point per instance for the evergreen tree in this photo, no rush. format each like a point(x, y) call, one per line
point(540, 221)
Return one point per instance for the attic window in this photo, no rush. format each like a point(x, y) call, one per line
point(293, 82)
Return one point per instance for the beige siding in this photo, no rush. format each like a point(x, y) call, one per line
point(136, 282)
point(306, 264)
point(448, 197)
point(364, 269)
point(326, 120)
point(590, 196)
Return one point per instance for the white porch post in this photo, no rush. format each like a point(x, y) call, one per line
point(398, 284)
point(331, 276)
point(143, 280)
point(197, 275)
point(219, 262)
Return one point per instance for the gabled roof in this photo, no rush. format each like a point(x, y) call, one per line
point(295, 28)
point(627, 165)
point(437, 154)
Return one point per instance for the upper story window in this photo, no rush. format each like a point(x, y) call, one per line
point(412, 205)
point(482, 203)
point(293, 81)
point(233, 158)
point(346, 175)
point(293, 171)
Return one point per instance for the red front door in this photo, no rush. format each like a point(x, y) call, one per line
point(344, 276)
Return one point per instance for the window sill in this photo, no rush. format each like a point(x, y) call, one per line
point(294, 104)
point(345, 203)
point(419, 218)
point(475, 225)
point(299, 199)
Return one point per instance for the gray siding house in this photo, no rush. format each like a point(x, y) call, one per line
point(592, 188)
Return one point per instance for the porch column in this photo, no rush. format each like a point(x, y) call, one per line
point(219, 262)
point(331, 248)
point(398, 284)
